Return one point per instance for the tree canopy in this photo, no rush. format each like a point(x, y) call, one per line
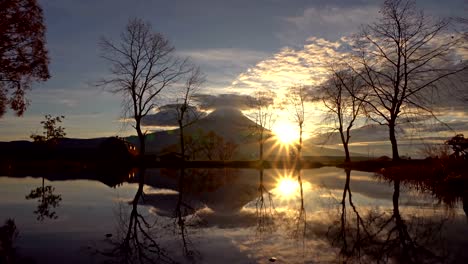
point(23, 56)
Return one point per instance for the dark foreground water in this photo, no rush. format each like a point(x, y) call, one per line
point(322, 215)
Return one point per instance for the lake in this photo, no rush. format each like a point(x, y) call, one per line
point(325, 215)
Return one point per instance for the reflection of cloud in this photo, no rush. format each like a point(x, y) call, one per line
point(241, 219)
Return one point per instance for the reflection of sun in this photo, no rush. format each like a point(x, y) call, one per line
point(285, 133)
point(287, 188)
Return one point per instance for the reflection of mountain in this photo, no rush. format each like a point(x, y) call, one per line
point(233, 126)
point(223, 191)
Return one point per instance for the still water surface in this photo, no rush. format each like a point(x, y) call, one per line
point(321, 215)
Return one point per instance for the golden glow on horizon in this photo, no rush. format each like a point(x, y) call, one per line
point(286, 133)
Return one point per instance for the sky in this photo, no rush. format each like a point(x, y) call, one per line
point(239, 45)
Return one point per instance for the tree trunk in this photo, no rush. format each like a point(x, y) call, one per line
point(141, 138)
point(345, 144)
point(346, 149)
point(181, 139)
point(299, 150)
point(261, 146)
point(393, 140)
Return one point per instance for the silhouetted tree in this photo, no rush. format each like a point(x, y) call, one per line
point(192, 86)
point(142, 65)
point(23, 56)
point(297, 97)
point(52, 130)
point(403, 59)
point(263, 116)
point(225, 150)
point(459, 145)
point(343, 108)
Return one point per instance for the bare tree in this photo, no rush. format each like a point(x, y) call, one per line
point(263, 116)
point(186, 113)
point(298, 95)
point(403, 60)
point(343, 109)
point(142, 64)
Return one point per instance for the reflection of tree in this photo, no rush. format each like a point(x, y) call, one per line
point(405, 245)
point(264, 207)
point(47, 201)
point(382, 237)
point(8, 235)
point(135, 242)
point(182, 210)
point(352, 233)
point(301, 219)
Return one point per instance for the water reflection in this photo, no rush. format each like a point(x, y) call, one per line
point(375, 235)
point(135, 241)
point(47, 201)
point(183, 210)
point(296, 216)
point(264, 206)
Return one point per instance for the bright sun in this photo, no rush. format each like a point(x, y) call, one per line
point(285, 133)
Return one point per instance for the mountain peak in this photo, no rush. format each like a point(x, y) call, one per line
point(226, 112)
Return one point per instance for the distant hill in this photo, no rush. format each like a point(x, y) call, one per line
point(367, 133)
point(234, 126)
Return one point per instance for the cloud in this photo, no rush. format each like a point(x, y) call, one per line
point(308, 65)
point(238, 101)
point(223, 64)
point(167, 116)
point(329, 22)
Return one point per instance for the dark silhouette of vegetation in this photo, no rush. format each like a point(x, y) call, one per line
point(47, 200)
point(343, 108)
point(142, 65)
point(403, 60)
point(52, 131)
point(445, 179)
point(23, 56)
point(203, 145)
point(459, 146)
point(8, 235)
